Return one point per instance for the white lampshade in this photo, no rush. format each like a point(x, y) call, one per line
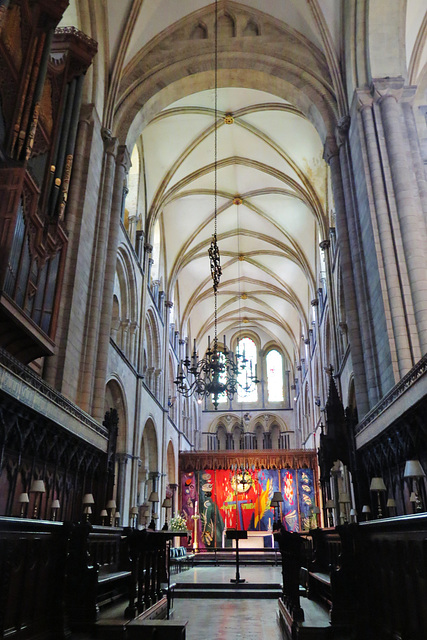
point(117, 515)
point(146, 513)
point(377, 484)
point(134, 511)
point(104, 513)
point(23, 497)
point(391, 502)
point(329, 504)
point(413, 469)
point(88, 510)
point(37, 486)
point(366, 508)
point(154, 497)
point(413, 497)
point(353, 512)
point(111, 504)
point(167, 503)
point(316, 509)
point(88, 499)
point(55, 504)
point(155, 516)
point(344, 498)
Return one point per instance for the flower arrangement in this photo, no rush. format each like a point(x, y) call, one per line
point(178, 523)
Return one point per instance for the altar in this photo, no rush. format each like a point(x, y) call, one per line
point(255, 540)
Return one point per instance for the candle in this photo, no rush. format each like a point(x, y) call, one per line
point(195, 507)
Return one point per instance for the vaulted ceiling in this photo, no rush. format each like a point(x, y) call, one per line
point(280, 78)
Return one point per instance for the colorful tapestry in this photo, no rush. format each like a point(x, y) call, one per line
point(306, 498)
point(226, 499)
point(289, 488)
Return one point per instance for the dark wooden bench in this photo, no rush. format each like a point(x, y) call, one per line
point(326, 550)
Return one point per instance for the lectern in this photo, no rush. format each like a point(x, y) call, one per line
point(234, 534)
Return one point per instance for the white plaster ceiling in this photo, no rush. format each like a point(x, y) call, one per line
point(271, 157)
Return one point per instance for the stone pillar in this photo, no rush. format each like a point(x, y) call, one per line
point(352, 280)
point(106, 302)
point(133, 329)
point(385, 225)
point(325, 246)
point(409, 207)
point(97, 274)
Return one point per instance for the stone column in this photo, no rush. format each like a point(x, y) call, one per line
point(325, 245)
point(385, 225)
point(98, 273)
point(124, 328)
point(106, 302)
point(133, 342)
point(165, 396)
point(408, 202)
point(351, 278)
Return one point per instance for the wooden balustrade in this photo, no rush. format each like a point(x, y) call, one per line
point(149, 557)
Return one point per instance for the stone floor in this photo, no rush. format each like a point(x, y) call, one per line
point(228, 619)
point(215, 619)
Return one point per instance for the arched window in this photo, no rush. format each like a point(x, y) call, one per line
point(274, 376)
point(155, 269)
point(247, 349)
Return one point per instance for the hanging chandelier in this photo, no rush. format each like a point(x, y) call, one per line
point(221, 372)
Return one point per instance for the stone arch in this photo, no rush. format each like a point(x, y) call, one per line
point(288, 70)
point(199, 32)
point(170, 464)
point(226, 26)
point(222, 437)
point(126, 293)
point(152, 346)
point(251, 28)
point(149, 462)
point(115, 397)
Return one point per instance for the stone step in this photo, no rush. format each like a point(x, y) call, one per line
point(260, 586)
point(223, 592)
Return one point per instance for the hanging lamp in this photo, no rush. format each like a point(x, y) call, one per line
point(219, 372)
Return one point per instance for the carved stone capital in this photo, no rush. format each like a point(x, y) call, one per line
point(148, 248)
point(325, 244)
point(364, 99)
point(123, 157)
point(168, 304)
point(342, 129)
point(110, 143)
point(382, 88)
point(330, 149)
point(315, 302)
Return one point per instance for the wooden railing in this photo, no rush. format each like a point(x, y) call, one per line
point(150, 582)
